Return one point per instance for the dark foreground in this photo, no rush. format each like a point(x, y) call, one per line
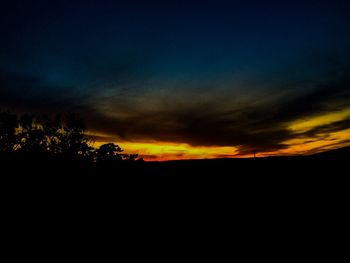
point(323, 170)
point(229, 189)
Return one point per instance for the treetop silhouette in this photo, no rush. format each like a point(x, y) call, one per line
point(61, 136)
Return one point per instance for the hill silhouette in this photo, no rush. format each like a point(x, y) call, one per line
point(336, 154)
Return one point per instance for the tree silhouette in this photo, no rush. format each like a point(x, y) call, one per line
point(8, 126)
point(32, 138)
point(56, 145)
point(72, 140)
point(108, 153)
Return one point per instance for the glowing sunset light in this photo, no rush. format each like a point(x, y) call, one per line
point(162, 151)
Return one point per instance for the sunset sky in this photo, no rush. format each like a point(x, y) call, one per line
point(184, 79)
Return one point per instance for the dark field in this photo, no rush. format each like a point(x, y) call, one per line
point(329, 166)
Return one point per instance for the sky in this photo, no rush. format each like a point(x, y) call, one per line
point(184, 79)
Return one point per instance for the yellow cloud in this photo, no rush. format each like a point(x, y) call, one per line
point(313, 145)
point(305, 125)
point(325, 141)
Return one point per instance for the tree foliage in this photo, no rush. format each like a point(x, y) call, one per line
point(61, 136)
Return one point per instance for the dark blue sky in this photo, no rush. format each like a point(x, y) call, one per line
point(166, 70)
point(70, 41)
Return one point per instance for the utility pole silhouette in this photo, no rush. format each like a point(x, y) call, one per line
point(254, 154)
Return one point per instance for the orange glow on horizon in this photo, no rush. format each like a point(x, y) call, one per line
point(164, 151)
point(298, 145)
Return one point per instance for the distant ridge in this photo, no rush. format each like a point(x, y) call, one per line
point(341, 153)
